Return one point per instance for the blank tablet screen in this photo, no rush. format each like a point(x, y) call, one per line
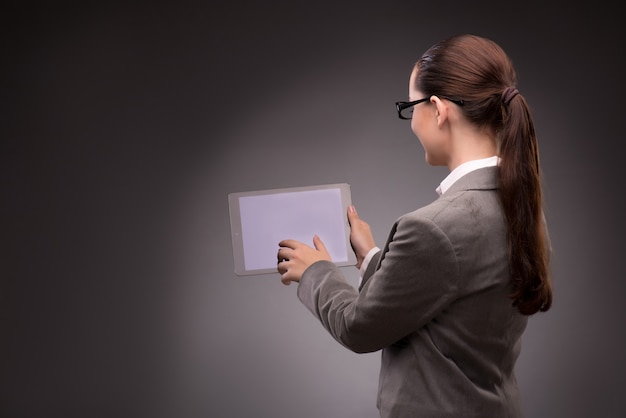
point(261, 219)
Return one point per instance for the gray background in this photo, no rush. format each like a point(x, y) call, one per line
point(124, 128)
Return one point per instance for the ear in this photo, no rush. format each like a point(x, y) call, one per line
point(441, 110)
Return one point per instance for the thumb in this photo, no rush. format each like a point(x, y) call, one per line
point(352, 215)
point(319, 244)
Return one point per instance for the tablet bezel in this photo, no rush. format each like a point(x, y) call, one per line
point(237, 232)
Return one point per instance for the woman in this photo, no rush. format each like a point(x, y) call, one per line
point(448, 297)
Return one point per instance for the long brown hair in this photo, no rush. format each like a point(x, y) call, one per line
point(478, 71)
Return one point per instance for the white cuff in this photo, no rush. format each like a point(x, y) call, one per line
point(366, 262)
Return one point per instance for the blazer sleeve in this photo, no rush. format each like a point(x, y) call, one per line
point(416, 277)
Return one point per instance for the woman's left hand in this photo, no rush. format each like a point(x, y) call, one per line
point(294, 257)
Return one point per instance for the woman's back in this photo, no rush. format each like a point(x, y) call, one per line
point(461, 361)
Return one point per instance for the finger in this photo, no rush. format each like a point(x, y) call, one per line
point(283, 269)
point(352, 214)
point(284, 274)
point(289, 243)
point(321, 247)
point(319, 244)
point(284, 254)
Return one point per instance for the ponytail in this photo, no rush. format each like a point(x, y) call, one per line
point(521, 195)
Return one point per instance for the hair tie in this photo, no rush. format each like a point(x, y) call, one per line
point(508, 94)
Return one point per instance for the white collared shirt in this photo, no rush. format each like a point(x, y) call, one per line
point(465, 168)
point(450, 179)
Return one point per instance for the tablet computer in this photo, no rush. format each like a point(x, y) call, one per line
point(260, 219)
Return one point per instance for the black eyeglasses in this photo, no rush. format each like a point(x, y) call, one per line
point(405, 109)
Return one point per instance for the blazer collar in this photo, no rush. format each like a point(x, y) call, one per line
point(481, 179)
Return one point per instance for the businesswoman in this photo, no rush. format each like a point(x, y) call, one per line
point(448, 296)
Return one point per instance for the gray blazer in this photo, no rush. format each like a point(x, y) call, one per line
point(434, 300)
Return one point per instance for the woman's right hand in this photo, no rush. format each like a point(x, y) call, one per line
point(361, 236)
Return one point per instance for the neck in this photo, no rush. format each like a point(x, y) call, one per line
point(468, 146)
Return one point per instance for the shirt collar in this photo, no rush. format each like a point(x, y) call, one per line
point(465, 168)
